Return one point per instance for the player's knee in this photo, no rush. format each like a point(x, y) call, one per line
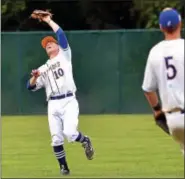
point(70, 135)
point(56, 140)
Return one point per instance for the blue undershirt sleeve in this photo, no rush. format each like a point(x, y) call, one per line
point(62, 39)
point(29, 87)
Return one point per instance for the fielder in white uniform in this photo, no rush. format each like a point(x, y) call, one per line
point(56, 77)
point(165, 72)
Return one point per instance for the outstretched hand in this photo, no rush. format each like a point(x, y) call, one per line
point(41, 15)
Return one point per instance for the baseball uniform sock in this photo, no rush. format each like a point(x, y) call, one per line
point(61, 157)
point(81, 138)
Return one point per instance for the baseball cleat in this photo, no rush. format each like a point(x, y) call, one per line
point(65, 172)
point(89, 151)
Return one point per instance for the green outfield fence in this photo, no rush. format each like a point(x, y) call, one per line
point(108, 70)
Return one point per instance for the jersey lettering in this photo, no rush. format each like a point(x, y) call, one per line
point(170, 67)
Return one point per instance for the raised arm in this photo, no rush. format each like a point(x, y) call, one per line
point(61, 37)
point(45, 16)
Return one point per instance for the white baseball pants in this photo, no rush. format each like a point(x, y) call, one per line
point(175, 123)
point(63, 120)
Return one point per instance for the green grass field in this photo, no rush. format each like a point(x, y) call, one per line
point(125, 146)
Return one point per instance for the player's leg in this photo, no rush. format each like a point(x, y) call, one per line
point(178, 136)
point(56, 130)
point(176, 126)
point(70, 123)
point(182, 148)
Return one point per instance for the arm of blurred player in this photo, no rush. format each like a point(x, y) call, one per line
point(150, 87)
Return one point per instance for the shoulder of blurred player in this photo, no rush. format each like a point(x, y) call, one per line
point(181, 42)
point(156, 48)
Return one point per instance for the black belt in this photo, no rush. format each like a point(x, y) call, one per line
point(182, 111)
point(61, 96)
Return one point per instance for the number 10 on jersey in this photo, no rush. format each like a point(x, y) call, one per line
point(58, 73)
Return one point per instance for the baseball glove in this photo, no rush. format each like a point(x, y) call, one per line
point(161, 122)
point(39, 14)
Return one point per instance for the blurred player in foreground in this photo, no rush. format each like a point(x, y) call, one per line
point(165, 73)
point(56, 77)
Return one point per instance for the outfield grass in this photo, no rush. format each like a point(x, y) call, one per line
point(126, 146)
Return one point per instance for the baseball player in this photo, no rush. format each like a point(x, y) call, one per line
point(56, 77)
point(165, 73)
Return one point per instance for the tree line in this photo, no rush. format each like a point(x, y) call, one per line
point(86, 14)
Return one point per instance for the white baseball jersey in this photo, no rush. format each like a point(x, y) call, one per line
point(165, 72)
point(57, 75)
